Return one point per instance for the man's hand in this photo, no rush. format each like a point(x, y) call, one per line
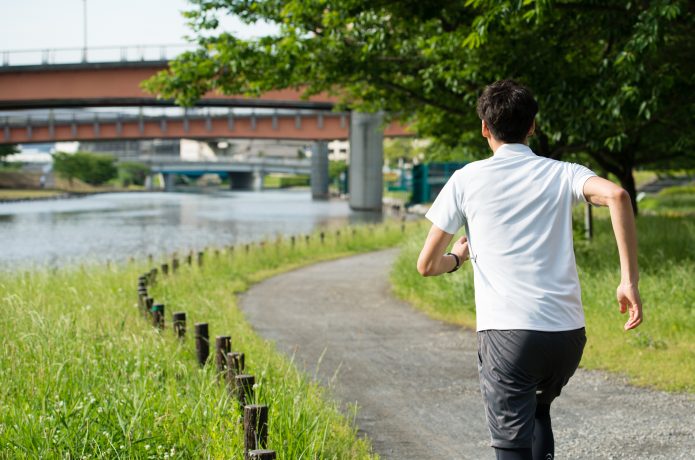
point(460, 248)
point(629, 301)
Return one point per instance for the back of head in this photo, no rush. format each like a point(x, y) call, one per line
point(508, 109)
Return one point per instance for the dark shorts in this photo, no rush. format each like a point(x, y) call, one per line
point(519, 369)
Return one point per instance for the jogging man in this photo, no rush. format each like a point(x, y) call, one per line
point(516, 208)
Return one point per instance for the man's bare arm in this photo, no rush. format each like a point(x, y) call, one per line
point(603, 192)
point(432, 260)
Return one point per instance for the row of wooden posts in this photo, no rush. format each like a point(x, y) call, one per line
point(230, 365)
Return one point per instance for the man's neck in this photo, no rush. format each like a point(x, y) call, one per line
point(495, 144)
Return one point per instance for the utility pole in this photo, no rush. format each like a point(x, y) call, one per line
point(84, 30)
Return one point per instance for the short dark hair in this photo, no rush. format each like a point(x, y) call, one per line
point(508, 108)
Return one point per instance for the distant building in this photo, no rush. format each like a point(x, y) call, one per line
point(339, 151)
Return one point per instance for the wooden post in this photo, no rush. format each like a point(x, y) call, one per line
point(588, 222)
point(292, 238)
point(189, 259)
point(323, 236)
point(142, 295)
point(306, 239)
point(255, 428)
point(174, 264)
point(158, 315)
point(200, 258)
point(153, 276)
point(235, 366)
point(244, 388)
point(261, 454)
point(337, 235)
point(223, 345)
point(150, 259)
point(165, 269)
point(202, 343)
point(247, 248)
point(179, 323)
point(149, 301)
point(354, 232)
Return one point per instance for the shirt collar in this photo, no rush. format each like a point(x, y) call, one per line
point(507, 150)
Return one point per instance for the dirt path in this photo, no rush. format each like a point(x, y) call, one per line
point(415, 379)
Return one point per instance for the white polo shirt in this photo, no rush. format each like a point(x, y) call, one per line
point(517, 211)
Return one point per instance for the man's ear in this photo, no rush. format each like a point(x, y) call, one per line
point(532, 129)
point(485, 131)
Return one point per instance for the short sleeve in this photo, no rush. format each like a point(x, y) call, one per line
point(446, 212)
point(579, 175)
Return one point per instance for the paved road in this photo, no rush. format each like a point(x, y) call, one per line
point(415, 379)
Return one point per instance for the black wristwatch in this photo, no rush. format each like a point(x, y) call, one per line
point(458, 262)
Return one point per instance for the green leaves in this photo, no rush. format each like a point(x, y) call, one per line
point(613, 78)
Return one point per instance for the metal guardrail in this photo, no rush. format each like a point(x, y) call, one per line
point(96, 54)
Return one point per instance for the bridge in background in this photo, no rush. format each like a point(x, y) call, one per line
point(283, 114)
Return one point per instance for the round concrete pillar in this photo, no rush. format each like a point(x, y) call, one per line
point(257, 178)
point(169, 180)
point(366, 161)
point(319, 171)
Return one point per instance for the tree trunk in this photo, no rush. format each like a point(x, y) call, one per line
point(627, 181)
point(622, 167)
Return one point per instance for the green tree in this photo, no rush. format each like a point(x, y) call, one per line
point(88, 167)
point(132, 172)
point(402, 148)
point(7, 150)
point(614, 78)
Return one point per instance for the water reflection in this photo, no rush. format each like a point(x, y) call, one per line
point(117, 226)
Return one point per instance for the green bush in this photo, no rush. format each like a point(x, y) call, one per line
point(282, 181)
point(132, 173)
point(88, 167)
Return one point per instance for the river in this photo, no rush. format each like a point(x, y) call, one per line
point(116, 226)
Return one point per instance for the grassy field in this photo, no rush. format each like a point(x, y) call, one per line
point(14, 195)
point(660, 353)
point(83, 375)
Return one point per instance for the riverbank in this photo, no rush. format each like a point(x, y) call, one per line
point(84, 374)
point(659, 354)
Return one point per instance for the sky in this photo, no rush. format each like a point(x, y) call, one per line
point(52, 24)
point(44, 24)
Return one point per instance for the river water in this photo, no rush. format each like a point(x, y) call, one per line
point(116, 226)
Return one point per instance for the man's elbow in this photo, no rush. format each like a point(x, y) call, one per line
point(619, 195)
point(424, 268)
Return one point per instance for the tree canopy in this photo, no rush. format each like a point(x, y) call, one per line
point(614, 78)
point(91, 168)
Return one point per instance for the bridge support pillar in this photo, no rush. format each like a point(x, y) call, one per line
point(257, 180)
point(319, 171)
point(169, 180)
point(366, 161)
point(149, 182)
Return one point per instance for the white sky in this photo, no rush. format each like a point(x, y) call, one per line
point(43, 24)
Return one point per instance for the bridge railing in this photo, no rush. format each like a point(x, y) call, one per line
point(132, 53)
point(56, 117)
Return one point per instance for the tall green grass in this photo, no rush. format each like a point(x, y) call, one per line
point(83, 375)
point(660, 353)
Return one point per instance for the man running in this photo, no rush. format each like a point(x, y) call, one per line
point(516, 208)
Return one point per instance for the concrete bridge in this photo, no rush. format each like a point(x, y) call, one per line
point(117, 84)
point(243, 174)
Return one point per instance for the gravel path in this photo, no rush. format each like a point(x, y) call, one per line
point(415, 379)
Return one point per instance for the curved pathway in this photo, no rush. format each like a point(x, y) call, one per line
point(415, 379)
